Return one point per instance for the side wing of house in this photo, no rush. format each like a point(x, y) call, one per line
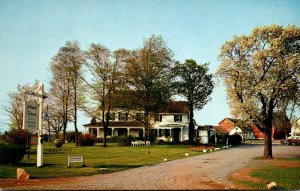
point(171, 123)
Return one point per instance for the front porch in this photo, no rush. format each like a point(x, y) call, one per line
point(117, 131)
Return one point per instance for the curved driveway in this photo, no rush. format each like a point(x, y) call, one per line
point(209, 171)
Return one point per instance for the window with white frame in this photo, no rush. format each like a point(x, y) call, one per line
point(123, 116)
point(177, 118)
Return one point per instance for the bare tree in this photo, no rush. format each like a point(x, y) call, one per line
point(66, 66)
point(149, 77)
point(15, 107)
point(105, 68)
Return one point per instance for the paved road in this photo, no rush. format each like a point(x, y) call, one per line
point(209, 171)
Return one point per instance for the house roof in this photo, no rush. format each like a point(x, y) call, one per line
point(233, 120)
point(175, 107)
point(221, 130)
point(117, 124)
point(230, 119)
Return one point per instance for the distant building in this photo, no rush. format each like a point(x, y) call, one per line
point(206, 134)
point(229, 126)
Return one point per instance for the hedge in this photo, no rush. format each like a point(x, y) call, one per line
point(11, 154)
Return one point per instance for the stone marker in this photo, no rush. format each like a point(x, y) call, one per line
point(165, 159)
point(186, 154)
point(272, 186)
point(22, 174)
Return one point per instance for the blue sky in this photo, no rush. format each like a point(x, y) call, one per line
point(31, 32)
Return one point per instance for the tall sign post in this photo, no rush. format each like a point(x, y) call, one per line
point(39, 92)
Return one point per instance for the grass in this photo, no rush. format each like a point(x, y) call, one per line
point(287, 178)
point(113, 158)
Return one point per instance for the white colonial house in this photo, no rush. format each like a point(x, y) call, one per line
point(170, 124)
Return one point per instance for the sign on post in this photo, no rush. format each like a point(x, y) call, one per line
point(31, 116)
point(34, 140)
point(75, 159)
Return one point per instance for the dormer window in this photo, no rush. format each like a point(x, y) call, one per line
point(139, 116)
point(177, 118)
point(123, 116)
point(111, 116)
point(158, 118)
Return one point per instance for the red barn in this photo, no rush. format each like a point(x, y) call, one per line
point(228, 123)
point(254, 132)
point(258, 134)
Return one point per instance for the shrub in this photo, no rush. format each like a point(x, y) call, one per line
point(11, 154)
point(113, 139)
point(46, 138)
point(100, 140)
point(87, 140)
point(235, 139)
point(125, 140)
point(70, 136)
point(16, 137)
point(152, 136)
point(58, 142)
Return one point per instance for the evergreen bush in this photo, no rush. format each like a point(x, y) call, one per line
point(11, 154)
point(125, 140)
point(113, 139)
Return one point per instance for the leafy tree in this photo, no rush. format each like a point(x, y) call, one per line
point(260, 71)
point(148, 77)
point(196, 85)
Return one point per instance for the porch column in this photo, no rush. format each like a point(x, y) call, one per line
point(157, 132)
point(181, 134)
point(112, 131)
point(98, 132)
point(144, 132)
point(128, 129)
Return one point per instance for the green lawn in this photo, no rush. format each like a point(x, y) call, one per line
point(287, 178)
point(113, 158)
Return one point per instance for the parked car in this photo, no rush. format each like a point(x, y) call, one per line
point(284, 141)
point(294, 140)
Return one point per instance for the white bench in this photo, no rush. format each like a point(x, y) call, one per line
point(140, 143)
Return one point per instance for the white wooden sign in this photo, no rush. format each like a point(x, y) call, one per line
point(75, 159)
point(31, 116)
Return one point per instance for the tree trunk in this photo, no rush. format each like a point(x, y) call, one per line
point(75, 113)
point(64, 131)
point(268, 139)
point(146, 125)
point(105, 127)
point(103, 117)
point(191, 124)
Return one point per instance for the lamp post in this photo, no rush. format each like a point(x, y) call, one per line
point(39, 92)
